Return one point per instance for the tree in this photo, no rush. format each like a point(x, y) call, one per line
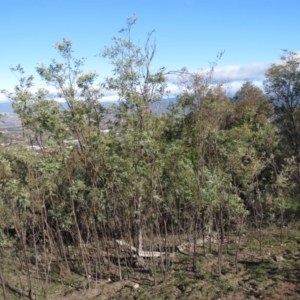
point(252, 105)
point(138, 87)
point(282, 85)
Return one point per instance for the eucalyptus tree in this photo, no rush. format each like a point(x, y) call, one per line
point(231, 146)
point(86, 168)
point(282, 85)
point(15, 206)
point(104, 180)
point(252, 106)
point(72, 145)
point(138, 87)
point(259, 169)
point(77, 89)
point(204, 112)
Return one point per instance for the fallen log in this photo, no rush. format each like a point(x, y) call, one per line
point(180, 248)
point(140, 253)
point(123, 243)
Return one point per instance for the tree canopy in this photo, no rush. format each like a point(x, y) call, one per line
point(210, 165)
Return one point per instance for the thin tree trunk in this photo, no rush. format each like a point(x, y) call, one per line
point(195, 244)
point(81, 246)
point(153, 263)
point(221, 240)
point(140, 238)
point(167, 251)
point(3, 285)
point(237, 251)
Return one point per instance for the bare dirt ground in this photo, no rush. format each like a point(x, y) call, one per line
point(272, 274)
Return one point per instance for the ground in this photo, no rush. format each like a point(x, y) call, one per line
point(272, 274)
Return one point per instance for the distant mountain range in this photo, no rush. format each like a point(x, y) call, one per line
point(5, 107)
point(161, 106)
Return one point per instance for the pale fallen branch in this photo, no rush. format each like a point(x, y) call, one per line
point(182, 248)
point(123, 243)
point(140, 253)
point(151, 253)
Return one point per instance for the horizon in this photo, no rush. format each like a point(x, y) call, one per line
point(6, 107)
point(189, 34)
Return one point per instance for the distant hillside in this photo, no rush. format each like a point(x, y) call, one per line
point(5, 107)
point(159, 107)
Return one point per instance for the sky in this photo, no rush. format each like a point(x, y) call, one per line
point(189, 33)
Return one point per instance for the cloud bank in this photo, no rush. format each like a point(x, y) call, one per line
point(254, 72)
point(3, 98)
point(233, 76)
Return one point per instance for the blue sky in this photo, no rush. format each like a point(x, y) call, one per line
point(189, 33)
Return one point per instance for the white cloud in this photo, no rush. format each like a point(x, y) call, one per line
point(231, 73)
point(234, 86)
point(3, 98)
point(173, 89)
point(59, 100)
point(110, 98)
point(233, 76)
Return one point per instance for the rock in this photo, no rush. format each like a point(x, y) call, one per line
point(135, 286)
point(279, 258)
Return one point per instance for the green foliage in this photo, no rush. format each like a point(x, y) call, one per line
point(136, 83)
point(210, 163)
point(252, 106)
point(282, 85)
